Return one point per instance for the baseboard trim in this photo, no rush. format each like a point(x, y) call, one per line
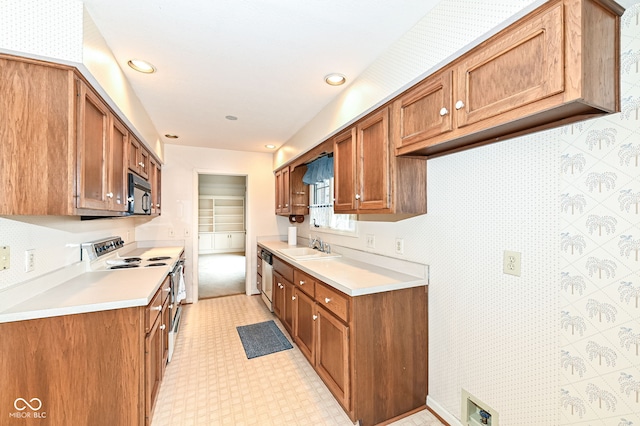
point(443, 415)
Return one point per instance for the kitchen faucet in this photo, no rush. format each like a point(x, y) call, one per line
point(317, 244)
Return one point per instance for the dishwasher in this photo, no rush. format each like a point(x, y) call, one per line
point(267, 278)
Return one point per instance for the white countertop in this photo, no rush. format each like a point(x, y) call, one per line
point(352, 277)
point(94, 291)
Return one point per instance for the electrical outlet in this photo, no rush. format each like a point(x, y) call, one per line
point(399, 245)
point(30, 260)
point(371, 241)
point(5, 257)
point(511, 263)
point(172, 232)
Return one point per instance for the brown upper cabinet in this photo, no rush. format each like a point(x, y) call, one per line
point(368, 178)
point(138, 158)
point(292, 197)
point(283, 195)
point(64, 151)
point(101, 156)
point(556, 65)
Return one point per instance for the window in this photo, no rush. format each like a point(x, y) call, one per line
point(321, 215)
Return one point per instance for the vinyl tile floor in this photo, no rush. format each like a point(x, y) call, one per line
point(210, 381)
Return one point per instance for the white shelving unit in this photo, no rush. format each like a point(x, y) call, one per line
point(221, 226)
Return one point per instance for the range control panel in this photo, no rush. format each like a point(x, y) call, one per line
point(98, 248)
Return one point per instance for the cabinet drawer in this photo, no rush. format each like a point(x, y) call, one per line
point(283, 269)
point(333, 300)
point(304, 282)
point(153, 309)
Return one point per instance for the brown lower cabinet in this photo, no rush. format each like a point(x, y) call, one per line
point(370, 350)
point(97, 368)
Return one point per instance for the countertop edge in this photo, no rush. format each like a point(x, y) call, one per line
point(353, 292)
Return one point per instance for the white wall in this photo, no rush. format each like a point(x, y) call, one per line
point(56, 241)
point(180, 197)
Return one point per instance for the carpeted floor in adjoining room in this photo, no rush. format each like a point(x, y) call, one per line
point(221, 274)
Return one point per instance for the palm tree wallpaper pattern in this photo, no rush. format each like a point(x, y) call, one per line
point(600, 265)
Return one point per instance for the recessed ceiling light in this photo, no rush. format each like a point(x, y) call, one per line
point(231, 117)
point(270, 146)
point(335, 79)
point(142, 66)
point(170, 136)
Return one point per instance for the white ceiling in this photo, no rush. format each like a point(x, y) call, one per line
point(263, 61)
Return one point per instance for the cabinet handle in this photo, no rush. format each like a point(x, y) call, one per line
point(444, 112)
point(357, 196)
point(110, 194)
point(301, 282)
point(293, 298)
point(459, 105)
point(315, 317)
point(166, 289)
point(156, 308)
point(141, 164)
point(327, 300)
point(158, 205)
point(162, 327)
point(171, 306)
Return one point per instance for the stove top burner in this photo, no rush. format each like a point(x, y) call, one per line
point(131, 259)
point(156, 264)
point(125, 266)
point(153, 259)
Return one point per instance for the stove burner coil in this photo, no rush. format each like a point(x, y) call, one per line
point(125, 266)
point(132, 259)
point(156, 264)
point(153, 259)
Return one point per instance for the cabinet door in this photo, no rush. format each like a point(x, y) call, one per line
point(283, 196)
point(236, 241)
point(278, 182)
point(144, 162)
point(332, 355)
point(287, 306)
point(286, 193)
point(304, 324)
point(118, 148)
point(93, 139)
point(373, 165)
point(221, 241)
point(165, 326)
point(153, 349)
point(524, 65)
point(138, 157)
point(205, 241)
point(278, 294)
point(344, 163)
point(424, 111)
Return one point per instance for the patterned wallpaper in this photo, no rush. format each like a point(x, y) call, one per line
point(600, 249)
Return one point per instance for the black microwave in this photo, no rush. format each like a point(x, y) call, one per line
point(139, 197)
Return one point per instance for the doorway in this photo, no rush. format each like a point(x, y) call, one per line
point(221, 235)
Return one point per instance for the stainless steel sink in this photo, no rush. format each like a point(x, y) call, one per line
point(306, 253)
